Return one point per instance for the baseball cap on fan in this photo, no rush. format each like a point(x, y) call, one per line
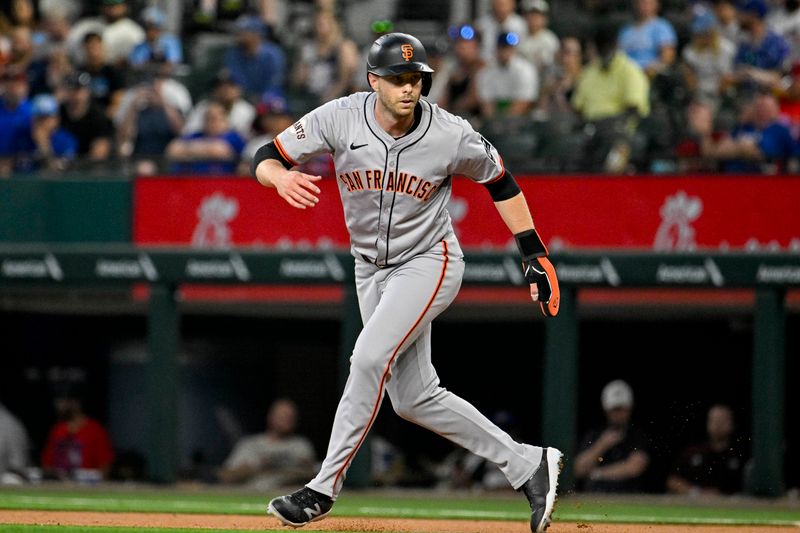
point(616, 394)
point(528, 6)
point(44, 105)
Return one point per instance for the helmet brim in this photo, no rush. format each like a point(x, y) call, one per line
point(400, 68)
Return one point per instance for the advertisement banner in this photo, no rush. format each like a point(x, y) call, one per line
point(654, 213)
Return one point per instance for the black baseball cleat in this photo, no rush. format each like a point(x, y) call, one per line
point(541, 488)
point(300, 507)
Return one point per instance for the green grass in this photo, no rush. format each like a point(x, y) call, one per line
point(436, 505)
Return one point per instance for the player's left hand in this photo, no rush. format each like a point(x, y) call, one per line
point(541, 274)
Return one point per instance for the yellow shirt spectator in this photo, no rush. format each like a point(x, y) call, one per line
point(604, 93)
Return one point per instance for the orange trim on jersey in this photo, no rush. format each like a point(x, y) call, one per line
point(502, 171)
point(388, 366)
point(282, 151)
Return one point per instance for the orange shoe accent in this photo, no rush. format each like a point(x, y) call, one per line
point(386, 371)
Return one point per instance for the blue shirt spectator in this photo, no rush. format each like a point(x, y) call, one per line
point(158, 46)
point(775, 143)
point(646, 40)
point(15, 111)
point(215, 150)
point(44, 144)
point(256, 65)
point(770, 53)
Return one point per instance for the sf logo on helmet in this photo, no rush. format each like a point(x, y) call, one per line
point(408, 51)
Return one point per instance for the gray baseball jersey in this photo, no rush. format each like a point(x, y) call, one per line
point(394, 191)
point(409, 268)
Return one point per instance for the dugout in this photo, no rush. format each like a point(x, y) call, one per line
point(84, 305)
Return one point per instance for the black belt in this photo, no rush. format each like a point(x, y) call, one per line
point(373, 261)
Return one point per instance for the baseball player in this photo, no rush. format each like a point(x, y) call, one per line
point(395, 156)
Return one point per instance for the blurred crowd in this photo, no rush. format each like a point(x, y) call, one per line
point(619, 86)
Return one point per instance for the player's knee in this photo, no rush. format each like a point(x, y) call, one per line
point(405, 409)
point(367, 361)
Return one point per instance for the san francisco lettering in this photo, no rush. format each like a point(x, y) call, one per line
point(401, 183)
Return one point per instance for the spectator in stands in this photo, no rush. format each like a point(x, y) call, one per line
point(23, 13)
point(787, 90)
point(541, 44)
point(689, 157)
point(714, 466)
point(502, 19)
point(727, 18)
point(57, 24)
point(47, 73)
point(760, 143)
point(327, 63)
point(611, 95)
point(215, 150)
point(455, 85)
point(77, 442)
point(615, 458)
point(274, 458)
point(21, 51)
point(560, 79)
point(258, 66)
point(118, 31)
point(708, 58)
point(150, 116)
point(272, 118)
point(44, 145)
point(784, 20)
point(650, 40)
point(158, 46)
point(510, 86)
point(15, 116)
point(762, 57)
point(13, 448)
point(107, 81)
point(84, 119)
point(228, 93)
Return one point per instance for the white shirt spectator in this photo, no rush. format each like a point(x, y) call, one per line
point(240, 117)
point(13, 448)
point(515, 81)
point(284, 456)
point(787, 25)
point(119, 38)
point(540, 48)
point(490, 28)
point(709, 66)
point(174, 94)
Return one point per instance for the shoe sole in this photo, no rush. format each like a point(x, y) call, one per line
point(555, 462)
point(285, 521)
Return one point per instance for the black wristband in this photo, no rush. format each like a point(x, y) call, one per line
point(530, 245)
point(268, 151)
point(503, 188)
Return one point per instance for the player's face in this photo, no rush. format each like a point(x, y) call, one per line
point(399, 93)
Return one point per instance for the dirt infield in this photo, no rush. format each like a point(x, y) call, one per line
point(223, 522)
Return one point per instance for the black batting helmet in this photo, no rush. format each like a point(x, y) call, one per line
point(395, 53)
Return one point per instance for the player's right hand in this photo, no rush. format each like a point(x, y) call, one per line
point(297, 188)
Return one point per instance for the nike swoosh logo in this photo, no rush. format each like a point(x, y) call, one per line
point(354, 146)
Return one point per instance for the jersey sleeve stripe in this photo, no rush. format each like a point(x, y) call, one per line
point(280, 148)
point(502, 171)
